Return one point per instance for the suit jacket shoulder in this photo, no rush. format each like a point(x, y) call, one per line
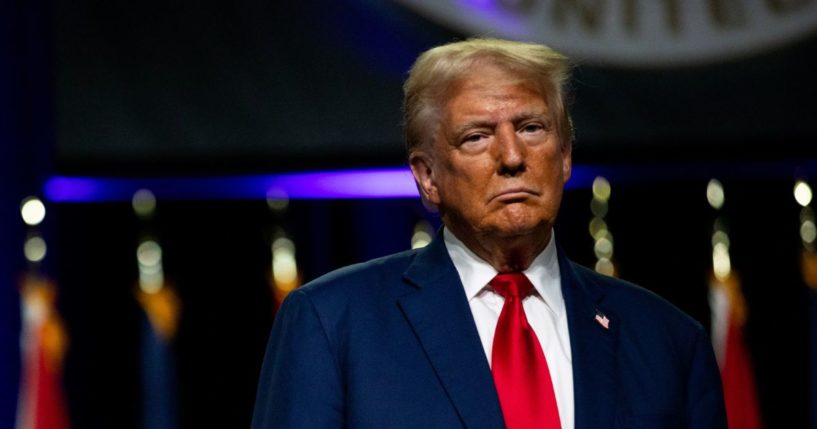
point(356, 281)
point(652, 364)
point(386, 343)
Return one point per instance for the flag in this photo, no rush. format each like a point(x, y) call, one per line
point(737, 373)
point(602, 320)
point(159, 384)
point(43, 344)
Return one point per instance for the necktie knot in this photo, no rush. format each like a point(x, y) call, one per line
point(512, 285)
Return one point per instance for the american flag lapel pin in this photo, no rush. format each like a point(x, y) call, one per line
point(602, 319)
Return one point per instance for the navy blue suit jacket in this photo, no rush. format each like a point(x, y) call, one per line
point(392, 343)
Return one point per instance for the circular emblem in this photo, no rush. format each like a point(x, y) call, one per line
point(633, 32)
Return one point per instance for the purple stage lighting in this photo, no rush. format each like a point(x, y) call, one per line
point(375, 183)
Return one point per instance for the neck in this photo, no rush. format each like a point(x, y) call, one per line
point(505, 253)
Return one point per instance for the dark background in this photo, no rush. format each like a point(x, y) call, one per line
point(168, 87)
point(141, 89)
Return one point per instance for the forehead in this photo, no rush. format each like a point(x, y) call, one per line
point(490, 90)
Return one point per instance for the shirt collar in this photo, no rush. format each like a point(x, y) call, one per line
point(475, 273)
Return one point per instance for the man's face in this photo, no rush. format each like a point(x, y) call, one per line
point(497, 165)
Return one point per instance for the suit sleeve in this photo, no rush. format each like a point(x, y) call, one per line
point(705, 406)
point(300, 384)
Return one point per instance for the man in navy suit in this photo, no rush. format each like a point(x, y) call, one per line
point(490, 325)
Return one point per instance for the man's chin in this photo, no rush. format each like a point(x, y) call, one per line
point(518, 221)
point(520, 230)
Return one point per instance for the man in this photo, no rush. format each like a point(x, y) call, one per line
point(490, 325)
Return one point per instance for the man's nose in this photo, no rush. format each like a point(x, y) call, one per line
point(510, 152)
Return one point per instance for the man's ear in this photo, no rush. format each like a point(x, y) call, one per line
point(422, 167)
point(567, 160)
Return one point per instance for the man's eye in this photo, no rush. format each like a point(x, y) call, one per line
point(473, 138)
point(532, 128)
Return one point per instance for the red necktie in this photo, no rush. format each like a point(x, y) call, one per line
point(518, 364)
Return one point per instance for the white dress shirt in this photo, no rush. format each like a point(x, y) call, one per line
point(544, 308)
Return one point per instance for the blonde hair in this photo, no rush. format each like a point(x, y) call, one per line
point(438, 69)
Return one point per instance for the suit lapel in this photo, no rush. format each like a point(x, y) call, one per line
point(593, 349)
point(438, 312)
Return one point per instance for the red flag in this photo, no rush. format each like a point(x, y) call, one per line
point(737, 373)
point(42, 401)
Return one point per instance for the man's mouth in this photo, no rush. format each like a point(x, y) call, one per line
point(514, 195)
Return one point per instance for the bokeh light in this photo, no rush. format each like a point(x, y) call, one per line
point(35, 249)
point(149, 253)
point(715, 194)
point(721, 263)
point(605, 266)
point(277, 199)
point(32, 210)
point(284, 267)
point(422, 236)
point(802, 193)
point(808, 232)
point(144, 203)
point(601, 189)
